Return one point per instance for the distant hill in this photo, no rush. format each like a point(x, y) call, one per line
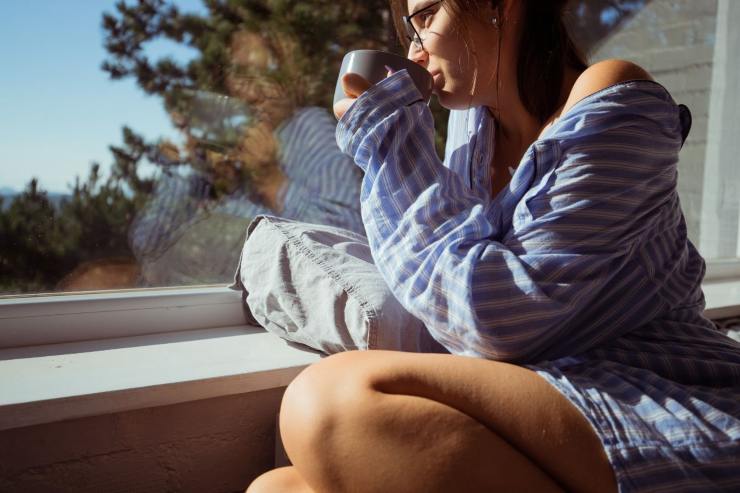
point(8, 193)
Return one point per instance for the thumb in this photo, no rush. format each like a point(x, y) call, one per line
point(354, 85)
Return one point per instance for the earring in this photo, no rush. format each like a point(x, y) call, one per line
point(494, 21)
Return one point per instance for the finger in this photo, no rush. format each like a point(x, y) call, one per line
point(354, 85)
point(341, 107)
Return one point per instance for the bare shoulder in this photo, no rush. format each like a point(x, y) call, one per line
point(602, 75)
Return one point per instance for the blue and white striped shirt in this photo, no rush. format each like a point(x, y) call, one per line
point(580, 269)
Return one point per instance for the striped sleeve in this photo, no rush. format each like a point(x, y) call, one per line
point(177, 203)
point(171, 207)
point(508, 295)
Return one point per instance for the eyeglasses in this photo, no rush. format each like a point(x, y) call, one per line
point(417, 24)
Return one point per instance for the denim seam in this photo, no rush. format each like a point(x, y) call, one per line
point(369, 312)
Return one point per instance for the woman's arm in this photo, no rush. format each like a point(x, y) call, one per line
point(508, 295)
point(176, 204)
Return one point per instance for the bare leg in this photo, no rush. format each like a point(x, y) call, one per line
point(390, 421)
point(281, 480)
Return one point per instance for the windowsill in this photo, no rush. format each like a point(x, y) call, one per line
point(722, 298)
point(55, 382)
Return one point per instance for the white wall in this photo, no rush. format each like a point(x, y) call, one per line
point(674, 40)
point(721, 201)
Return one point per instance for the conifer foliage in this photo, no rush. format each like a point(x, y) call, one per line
point(43, 241)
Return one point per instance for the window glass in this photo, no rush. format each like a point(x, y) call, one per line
point(693, 49)
point(138, 139)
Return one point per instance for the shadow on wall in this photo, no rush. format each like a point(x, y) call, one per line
point(593, 22)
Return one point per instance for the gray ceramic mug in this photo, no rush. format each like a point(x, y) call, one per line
point(373, 65)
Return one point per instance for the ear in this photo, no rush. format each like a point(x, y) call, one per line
point(491, 9)
point(501, 10)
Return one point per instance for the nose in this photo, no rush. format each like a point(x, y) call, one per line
point(418, 55)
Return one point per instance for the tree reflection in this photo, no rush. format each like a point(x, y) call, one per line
point(593, 22)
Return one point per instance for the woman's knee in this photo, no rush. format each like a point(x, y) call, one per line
point(321, 396)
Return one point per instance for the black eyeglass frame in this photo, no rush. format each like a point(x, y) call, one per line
point(411, 32)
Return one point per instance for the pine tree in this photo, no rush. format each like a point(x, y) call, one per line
point(30, 242)
point(41, 242)
point(323, 30)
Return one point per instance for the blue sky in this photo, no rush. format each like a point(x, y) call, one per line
point(58, 109)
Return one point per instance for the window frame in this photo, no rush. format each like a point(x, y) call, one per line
point(722, 270)
point(31, 320)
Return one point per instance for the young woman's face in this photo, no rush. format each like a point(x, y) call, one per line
point(451, 58)
point(248, 80)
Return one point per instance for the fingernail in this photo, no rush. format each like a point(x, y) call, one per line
point(390, 70)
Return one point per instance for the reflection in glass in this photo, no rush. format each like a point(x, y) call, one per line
point(251, 152)
point(688, 47)
point(594, 22)
point(250, 103)
point(256, 133)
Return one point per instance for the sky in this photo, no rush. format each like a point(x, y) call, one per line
point(58, 110)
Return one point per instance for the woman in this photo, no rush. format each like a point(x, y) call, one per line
point(568, 293)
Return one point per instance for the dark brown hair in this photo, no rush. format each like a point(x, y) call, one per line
point(545, 48)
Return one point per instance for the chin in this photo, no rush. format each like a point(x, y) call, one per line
point(454, 101)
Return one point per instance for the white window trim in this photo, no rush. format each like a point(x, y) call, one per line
point(86, 354)
point(722, 270)
point(52, 319)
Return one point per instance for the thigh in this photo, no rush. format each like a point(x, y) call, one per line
point(497, 418)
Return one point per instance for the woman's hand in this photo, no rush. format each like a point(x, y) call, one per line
point(169, 151)
point(258, 147)
point(354, 85)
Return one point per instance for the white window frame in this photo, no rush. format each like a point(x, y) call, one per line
point(57, 318)
point(722, 270)
point(722, 288)
point(31, 327)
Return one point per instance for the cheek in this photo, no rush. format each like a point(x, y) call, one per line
point(458, 75)
point(451, 55)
